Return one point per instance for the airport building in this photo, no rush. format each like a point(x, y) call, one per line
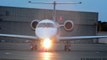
point(17, 20)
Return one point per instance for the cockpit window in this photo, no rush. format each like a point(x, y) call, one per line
point(45, 25)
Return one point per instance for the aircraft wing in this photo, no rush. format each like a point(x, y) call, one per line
point(81, 37)
point(18, 36)
point(60, 38)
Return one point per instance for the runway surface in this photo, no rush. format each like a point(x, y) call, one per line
point(26, 54)
point(32, 55)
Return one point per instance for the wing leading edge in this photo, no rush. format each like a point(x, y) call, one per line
point(60, 38)
point(18, 36)
point(82, 37)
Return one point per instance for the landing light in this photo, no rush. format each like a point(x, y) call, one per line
point(47, 43)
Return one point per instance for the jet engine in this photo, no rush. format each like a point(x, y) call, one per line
point(34, 24)
point(68, 25)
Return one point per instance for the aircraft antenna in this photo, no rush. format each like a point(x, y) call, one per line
point(54, 6)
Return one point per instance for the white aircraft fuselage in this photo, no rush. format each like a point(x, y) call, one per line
point(46, 29)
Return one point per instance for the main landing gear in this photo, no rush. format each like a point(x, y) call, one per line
point(67, 46)
point(34, 45)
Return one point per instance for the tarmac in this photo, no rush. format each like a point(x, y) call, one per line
point(21, 51)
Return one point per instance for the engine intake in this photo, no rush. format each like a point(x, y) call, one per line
point(34, 24)
point(68, 25)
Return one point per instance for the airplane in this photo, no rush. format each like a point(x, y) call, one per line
point(47, 33)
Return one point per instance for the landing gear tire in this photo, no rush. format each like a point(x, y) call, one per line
point(66, 48)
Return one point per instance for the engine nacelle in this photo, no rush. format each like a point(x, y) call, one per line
point(34, 24)
point(68, 25)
